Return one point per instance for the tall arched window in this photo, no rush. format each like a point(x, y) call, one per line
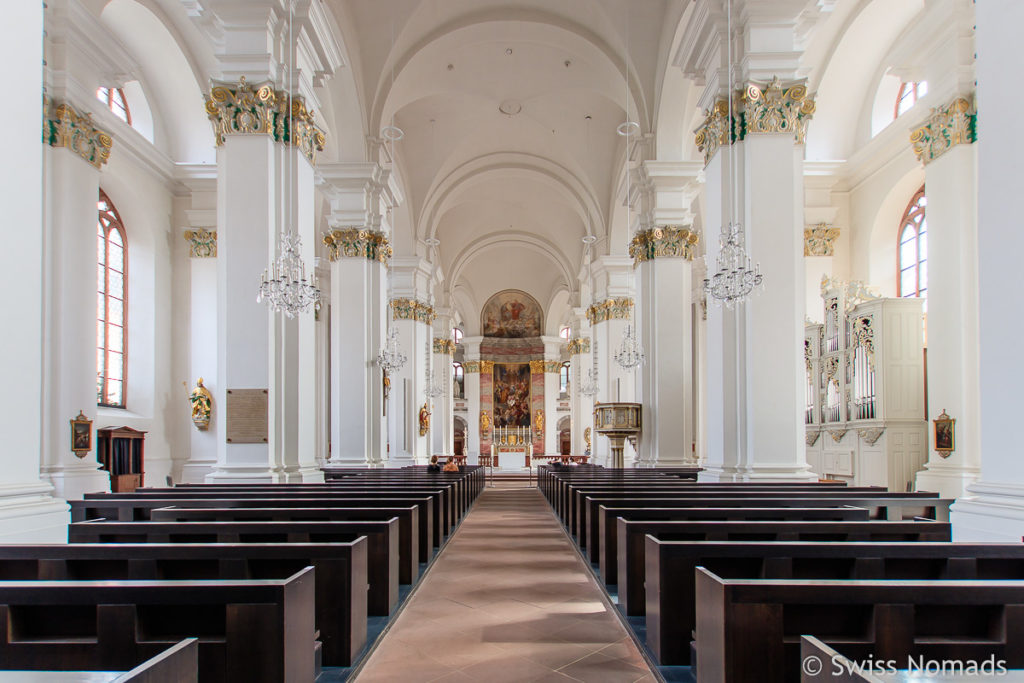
point(913, 248)
point(457, 335)
point(112, 257)
point(459, 380)
point(115, 100)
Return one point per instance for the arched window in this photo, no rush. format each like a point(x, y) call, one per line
point(457, 335)
point(913, 248)
point(112, 256)
point(115, 100)
point(458, 380)
point(908, 96)
point(563, 378)
point(564, 332)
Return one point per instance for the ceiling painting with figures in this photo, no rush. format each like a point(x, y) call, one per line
point(511, 314)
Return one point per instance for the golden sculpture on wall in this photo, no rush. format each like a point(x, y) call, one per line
point(202, 406)
point(586, 439)
point(538, 422)
point(424, 420)
point(485, 422)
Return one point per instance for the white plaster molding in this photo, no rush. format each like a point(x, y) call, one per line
point(89, 42)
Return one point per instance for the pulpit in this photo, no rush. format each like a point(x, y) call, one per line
point(618, 421)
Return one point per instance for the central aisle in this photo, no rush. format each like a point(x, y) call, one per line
point(508, 599)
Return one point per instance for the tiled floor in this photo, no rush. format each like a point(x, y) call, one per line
point(508, 599)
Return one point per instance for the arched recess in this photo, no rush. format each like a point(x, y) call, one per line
point(559, 312)
point(881, 256)
point(525, 241)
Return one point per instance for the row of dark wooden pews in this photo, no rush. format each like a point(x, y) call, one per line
point(726, 578)
point(270, 581)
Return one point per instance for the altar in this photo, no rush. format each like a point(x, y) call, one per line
point(512, 448)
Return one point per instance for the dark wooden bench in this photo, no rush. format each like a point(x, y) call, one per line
point(381, 547)
point(408, 548)
point(140, 509)
point(341, 580)
point(609, 545)
point(177, 664)
point(631, 557)
point(671, 597)
point(750, 630)
point(248, 631)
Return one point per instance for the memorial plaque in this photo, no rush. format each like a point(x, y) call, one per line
point(246, 414)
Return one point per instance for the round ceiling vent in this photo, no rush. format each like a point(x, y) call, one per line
point(510, 107)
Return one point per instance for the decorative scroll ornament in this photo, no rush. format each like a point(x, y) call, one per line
point(811, 436)
point(773, 108)
point(863, 334)
point(202, 406)
point(854, 292)
point(578, 346)
point(714, 132)
point(355, 243)
point(487, 367)
point(471, 366)
point(202, 243)
point(954, 124)
point(610, 309)
point(807, 354)
point(662, 242)
point(837, 434)
point(831, 367)
point(410, 309)
point(245, 109)
point(63, 126)
point(820, 240)
point(537, 367)
point(870, 434)
point(445, 346)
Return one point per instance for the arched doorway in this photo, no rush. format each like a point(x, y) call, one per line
point(460, 436)
point(565, 436)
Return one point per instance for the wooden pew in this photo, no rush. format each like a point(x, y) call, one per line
point(341, 580)
point(609, 564)
point(632, 543)
point(381, 549)
point(177, 664)
point(408, 549)
point(140, 509)
point(671, 598)
point(750, 630)
point(251, 631)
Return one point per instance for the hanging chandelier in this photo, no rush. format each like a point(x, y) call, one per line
point(588, 386)
point(432, 388)
point(735, 279)
point(390, 359)
point(284, 287)
point(630, 353)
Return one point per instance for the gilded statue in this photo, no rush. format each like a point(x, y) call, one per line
point(485, 422)
point(202, 406)
point(586, 439)
point(424, 420)
point(538, 421)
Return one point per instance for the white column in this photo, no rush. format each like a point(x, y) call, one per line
point(552, 366)
point(442, 422)
point(471, 367)
point(953, 318)
point(28, 511)
point(202, 345)
point(412, 315)
point(994, 507)
point(582, 407)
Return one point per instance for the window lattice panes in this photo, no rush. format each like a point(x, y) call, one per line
point(913, 249)
point(112, 298)
point(908, 96)
point(115, 100)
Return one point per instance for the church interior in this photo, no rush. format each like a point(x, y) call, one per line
point(702, 302)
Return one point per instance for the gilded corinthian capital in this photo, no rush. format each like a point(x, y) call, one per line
point(662, 242)
point(245, 109)
point(63, 126)
point(202, 243)
point(954, 124)
point(775, 108)
point(714, 132)
point(819, 240)
point(355, 243)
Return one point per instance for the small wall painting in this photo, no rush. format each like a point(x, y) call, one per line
point(81, 435)
point(945, 435)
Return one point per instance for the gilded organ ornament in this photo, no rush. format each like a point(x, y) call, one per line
point(372, 245)
point(954, 124)
point(63, 126)
point(247, 109)
point(202, 243)
point(663, 242)
point(202, 406)
point(819, 240)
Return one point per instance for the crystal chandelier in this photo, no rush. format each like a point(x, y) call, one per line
point(390, 359)
point(630, 353)
point(588, 386)
point(285, 288)
point(433, 388)
point(735, 279)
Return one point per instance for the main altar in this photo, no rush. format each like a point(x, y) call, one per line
point(512, 448)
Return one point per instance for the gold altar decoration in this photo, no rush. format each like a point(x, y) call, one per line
point(372, 245)
point(538, 422)
point(610, 309)
point(444, 345)
point(485, 422)
point(774, 108)
point(411, 309)
point(668, 241)
point(954, 124)
point(487, 367)
point(424, 420)
point(537, 367)
point(819, 240)
point(247, 109)
point(714, 132)
point(202, 406)
point(202, 243)
point(63, 126)
point(579, 345)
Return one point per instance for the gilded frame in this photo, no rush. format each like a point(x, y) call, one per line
point(81, 435)
point(944, 434)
